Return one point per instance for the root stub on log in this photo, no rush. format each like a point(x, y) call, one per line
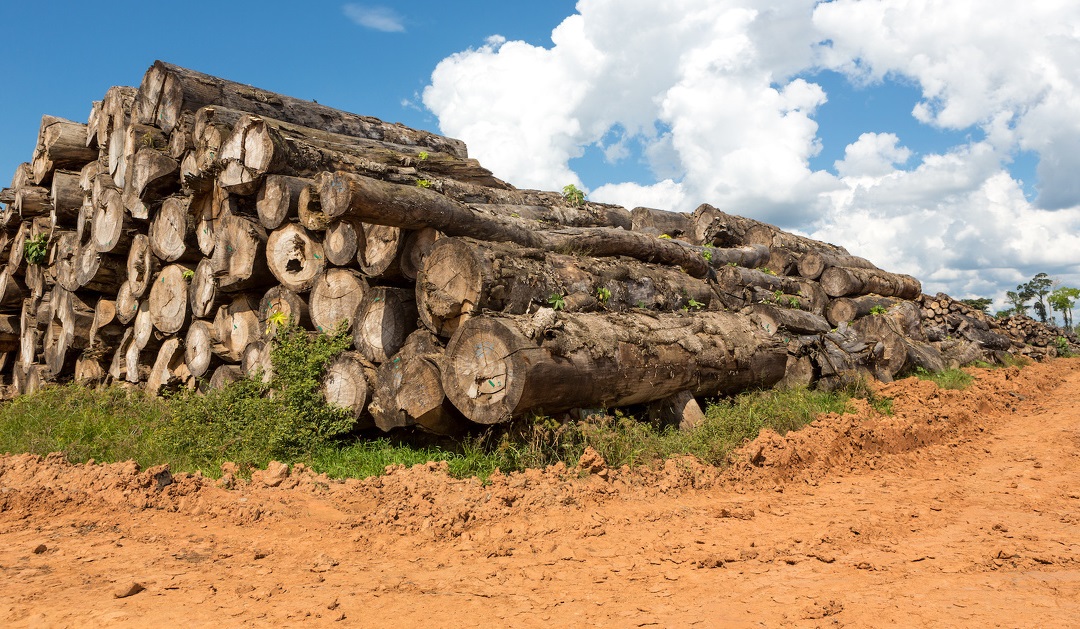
point(500, 367)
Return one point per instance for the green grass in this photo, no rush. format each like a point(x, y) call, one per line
point(949, 379)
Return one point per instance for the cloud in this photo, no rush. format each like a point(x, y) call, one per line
point(718, 98)
point(377, 18)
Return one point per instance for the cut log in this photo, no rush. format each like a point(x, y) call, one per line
point(539, 205)
point(12, 291)
point(681, 410)
point(341, 241)
point(239, 259)
point(98, 272)
point(850, 308)
point(127, 304)
point(461, 277)
point(111, 229)
point(498, 367)
point(416, 247)
point(168, 300)
point(145, 336)
point(168, 90)
point(295, 258)
point(813, 263)
point(662, 223)
point(277, 199)
point(407, 207)
point(61, 145)
point(236, 325)
point(32, 201)
point(842, 282)
point(740, 283)
point(115, 114)
point(201, 352)
point(153, 175)
point(280, 306)
point(309, 210)
point(384, 319)
point(67, 197)
point(899, 342)
point(67, 260)
point(106, 330)
point(794, 322)
point(408, 390)
point(334, 299)
point(203, 292)
point(141, 265)
point(749, 256)
point(169, 371)
point(347, 383)
point(257, 361)
point(225, 375)
point(172, 231)
point(379, 252)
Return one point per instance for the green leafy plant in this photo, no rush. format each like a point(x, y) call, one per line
point(794, 303)
point(572, 194)
point(422, 155)
point(36, 249)
point(276, 321)
point(423, 183)
point(767, 271)
point(878, 310)
point(694, 304)
point(187, 274)
point(733, 264)
point(603, 295)
point(1061, 344)
point(707, 254)
point(557, 301)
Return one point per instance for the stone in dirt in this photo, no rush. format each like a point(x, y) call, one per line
point(131, 589)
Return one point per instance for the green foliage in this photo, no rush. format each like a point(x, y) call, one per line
point(36, 249)
point(1061, 344)
point(187, 274)
point(422, 155)
point(694, 304)
point(794, 304)
point(1062, 300)
point(574, 196)
point(707, 253)
point(948, 379)
point(979, 303)
point(878, 310)
point(766, 270)
point(557, 301)
point(603, 295)
point(423, 183)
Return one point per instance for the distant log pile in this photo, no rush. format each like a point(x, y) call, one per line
point(163, 243)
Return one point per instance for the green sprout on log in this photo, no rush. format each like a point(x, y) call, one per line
point(187, 274)
point(423, 183)
point(571, 193)
point(707, 254)
point(878, 310)
point(422, 155)
point(557, 301)
point(603, 294)
point(36, 249)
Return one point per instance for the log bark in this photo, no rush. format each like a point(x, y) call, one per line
point(813, 263)
point(278, 197)
point(501, 367)
point(334, 299)
point(407, 207)
point(61, 145)
point(462, 277)
point(167, 90)
point(850, 308)
point(409, 392)
point(384, 319)
point(295, 257)
point(347, 383)
point(172, 231)
point(899, 342)
point(168, 300)
point(753, 286)
point(67, 197)
point(786, 320)
point(842, 282)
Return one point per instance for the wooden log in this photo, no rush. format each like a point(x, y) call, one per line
point(417, 245)
point(408, 390)
point(498, 367)
point(379, 252)
point(167, 90)
point(749, 256)
point(210, 210)
point(754, 286)
point(280, 306)
point(106, 330)
point(9, 333)
point(850, 308)
point(539, 205)
point(384, 319)
point(61, 145)
point(295, 257)
point(680, 409)
point(309, 210)
point(142, 265)
point(236, 325)
point(146, 338)
point(334, 299)
point(278, 198)
point(407, 207)
point(662, 223)
point(99, 272)
point(66, 260)
point(257, 362)
point(168, 300)
point(172, 231)
point(111, 228)
point(786, 320)
point(67, 197)
point(169, 371)
point(347, 383)
point(12, 291)
point(16, 262)
point(31, 201)
point(153, 175)
point(899, 342)
point(813, 263)
point(115, 114)
point(202, 353)
point(462, 277)
point(127, 305)
point(239, 260)
point(342, 240)
point(225, 375)
point(203, 293)
point(842, 282)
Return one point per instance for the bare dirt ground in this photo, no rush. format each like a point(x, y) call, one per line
point(962, 509)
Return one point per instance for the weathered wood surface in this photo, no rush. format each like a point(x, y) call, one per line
point(347, 383)
point(384, 319)
point(842, 282)
point(408, 389)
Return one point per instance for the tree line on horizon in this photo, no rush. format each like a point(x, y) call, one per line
point(1049, 297)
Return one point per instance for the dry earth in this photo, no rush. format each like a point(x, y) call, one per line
point(962, 509)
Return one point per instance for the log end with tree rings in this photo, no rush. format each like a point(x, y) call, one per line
point(416, 247)
point(345, 384)
point(384, 319)
point(172, 230)
point(335, 298)
point(486, 375)
point(277, 199)
point(449, 285)
point(168, 300)
point(295, 258)
point(279, 307)
point(380, 252)
point(342, 239)
point(198, 344)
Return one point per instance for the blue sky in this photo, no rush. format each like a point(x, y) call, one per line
point(932, 145)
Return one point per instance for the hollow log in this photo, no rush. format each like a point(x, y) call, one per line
point(172, 231)
point(347, 383)
point(813, 263)
point(408, 390)
point(277, 199)
point(462, 276)
point(850, 308)
point(168, 300)
point(498, 367)
point(167, 90)
point(334, 299)
point(384, 319)
point(842, 282)
point(309, 210)
point(408, 207)
point(295, 257)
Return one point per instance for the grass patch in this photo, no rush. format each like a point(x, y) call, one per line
point(949, 379)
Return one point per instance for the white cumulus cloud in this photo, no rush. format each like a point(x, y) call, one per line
point(378, 18)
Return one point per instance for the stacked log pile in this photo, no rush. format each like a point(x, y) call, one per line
point(165, 241)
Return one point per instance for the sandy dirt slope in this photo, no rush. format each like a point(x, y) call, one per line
point(962, 509)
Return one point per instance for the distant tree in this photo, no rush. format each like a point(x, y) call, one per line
point(1062, 300)
point(1038, 288)
point(1018, 299)
point(978, 303)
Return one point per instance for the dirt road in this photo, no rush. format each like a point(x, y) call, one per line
point(962, 509)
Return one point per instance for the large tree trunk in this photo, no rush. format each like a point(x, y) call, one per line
point(67, 197)
point(778, 320)
point(899, 342)
point(850, 308)
point(342, 239)
point(384, 318)
point(461, 277)
point(335, 298)
point(167, 90)
point(842, 282)
point(295, 257)
point(379, 252)
point(375, 201)
point(347, 383)
point(500, 367)
point(813, 263)
point(746, 286)
point(278, 197)
point(663, 223)
point(409, 391)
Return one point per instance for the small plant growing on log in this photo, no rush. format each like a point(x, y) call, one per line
point(694, 304)
point(778, 296)
point(36, 249)
point(733, 264)
point(571, 193)
point(707, 254)
point(423, 183)
point(794, 303)
point(664, 237)
point(767, 271)
point(1061, 344)
point(187, 274)
point(276, 321)
point(422, 155)
point(557, 301)
point(878, 310)
point(603, 294)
